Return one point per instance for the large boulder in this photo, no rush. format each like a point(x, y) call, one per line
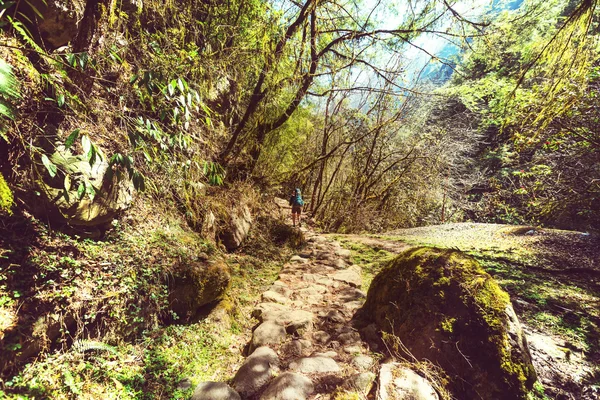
point(59, 24)
point(236, 229)
point(197, 285)
point(445, 308)
point(104, 196)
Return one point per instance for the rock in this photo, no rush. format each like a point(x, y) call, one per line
point(269, 311)
point(306, 254)
point(274, 297)
point(298, 259)
point(289, 386)
point(363, 362)
point(293, 320)
point(236, 229)
point(370, 334)
point(314, 299)
point(114, 197)
point(59, 23)
point(352, 306)
point(354, 349)
point(197, 284)
point(317, 364)
point(184, 384)
point(209, 227)
point(256, 372)
point(397, 382)
point(465, 321)
point(338, 264)
point(313, 289)
point(214, 391)
point(267, 333)
point(321, 337)
point(282, 289)
point(335, 316)
point(329, 354)
point(362, 382)
point(351, 276)
point(298, 321)
point(344, 253)
point(298, 347)
point(349, 338)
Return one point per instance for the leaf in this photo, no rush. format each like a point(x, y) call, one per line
point(60, 100)
point(133, 79)
point(91, 192)
point(180, 84)
point(49, 165)
point(71, 59)
point(81, 190)
point(86, 144)
point(72, 138)
point(83, 59)
point(67, 183)
point(171, 89)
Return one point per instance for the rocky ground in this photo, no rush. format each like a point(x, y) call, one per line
point(305, 346)
point(553, 278)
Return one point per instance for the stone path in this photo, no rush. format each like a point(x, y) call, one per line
point(305, 346)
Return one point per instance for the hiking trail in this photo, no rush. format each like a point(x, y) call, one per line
point(305, 336)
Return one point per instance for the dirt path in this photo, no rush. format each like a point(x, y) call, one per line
point(305, 335)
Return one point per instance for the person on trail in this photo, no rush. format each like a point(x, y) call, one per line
point(296, 202)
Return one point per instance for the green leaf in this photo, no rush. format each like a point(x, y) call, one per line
point(91, 192)
point(83, 59)
point(71, 59)
point(133, 79)
point(81, 190)
point(180, 84)
point(49, 165)
point(72, 138)
point(60, 100)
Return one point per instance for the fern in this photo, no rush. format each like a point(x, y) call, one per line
point(9, 91)
point(83, 346)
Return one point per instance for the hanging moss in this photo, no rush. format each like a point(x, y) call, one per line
point(445, 308)
point(6, 197)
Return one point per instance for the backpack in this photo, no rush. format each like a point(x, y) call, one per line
point(297, 199)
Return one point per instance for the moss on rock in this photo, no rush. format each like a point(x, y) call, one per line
point(197, 285)
point(445, 308)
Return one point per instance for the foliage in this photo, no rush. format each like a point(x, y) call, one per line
point(6, 197)
point(9, 91)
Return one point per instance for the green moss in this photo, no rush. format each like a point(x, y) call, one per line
point(6, 197)
point(447, 296)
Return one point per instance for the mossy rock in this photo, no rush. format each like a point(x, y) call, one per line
point(446, 309)
point(196, 285)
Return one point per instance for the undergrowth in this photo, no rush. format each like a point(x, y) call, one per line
point(57, 289)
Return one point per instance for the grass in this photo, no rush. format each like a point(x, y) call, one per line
point(370, 259)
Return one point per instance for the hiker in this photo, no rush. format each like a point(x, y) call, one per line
point(296, 202)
